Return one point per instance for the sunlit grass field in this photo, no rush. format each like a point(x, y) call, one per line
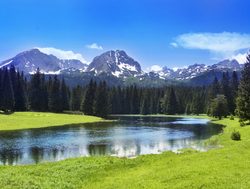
point(27, 120)
point(224, 167)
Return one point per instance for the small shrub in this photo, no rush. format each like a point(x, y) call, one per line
point(242, 123)
point(231, 117)
point(235, 135)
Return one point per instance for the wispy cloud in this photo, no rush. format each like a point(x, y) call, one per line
point(62, 54)
point(173, 44)
point(94, 46)
point(223, 44)
point(155, 68)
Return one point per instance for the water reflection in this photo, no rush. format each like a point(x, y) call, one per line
point(129, 137)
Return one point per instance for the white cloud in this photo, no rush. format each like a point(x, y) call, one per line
point(241, 57)
point(173, 44)
point(155, 68)
point(94, 46)
point(215, 42)
point(221, 45)
point(62, 54)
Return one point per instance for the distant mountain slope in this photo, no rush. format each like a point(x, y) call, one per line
point(196, 70)
point(29, 61)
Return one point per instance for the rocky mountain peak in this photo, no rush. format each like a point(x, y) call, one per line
point(29, 61)
point(117, 63)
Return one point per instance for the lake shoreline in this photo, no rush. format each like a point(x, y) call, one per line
point(125, 138)
point(194, 169)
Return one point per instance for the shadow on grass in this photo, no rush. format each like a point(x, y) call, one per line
point(8, 112)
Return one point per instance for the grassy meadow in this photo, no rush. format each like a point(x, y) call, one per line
point(224, 167)
point(28, 120)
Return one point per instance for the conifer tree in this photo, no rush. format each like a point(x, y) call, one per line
point(135, 102)
point(145, 104)
point(197, 103)
point(8, 100)
point(219, 107)
point(213, 91)
point(64, 96)
point(13, 78)
point(88, 101)
point(35, 91)
point(101, 102)
point(76, 98)
point(44, 94)
point(234, 88)
point(243, 100)
point(226, 91)
point(55, 99)
point(20, 99)
point(170, 102)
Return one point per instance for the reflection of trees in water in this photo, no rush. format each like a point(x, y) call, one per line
point(98, 149)
point(36, 154)
point(10, 157)
point(10, 152)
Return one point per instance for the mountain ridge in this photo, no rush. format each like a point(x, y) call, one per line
point(113, 63)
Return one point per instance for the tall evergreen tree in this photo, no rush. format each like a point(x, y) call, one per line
point(44, 94)
point(101, 103)
point(234, 88)
point(76, 98)
point(64, 96)
point(8, 100)
point(89, 98)
point(243, 100)
point(170, 102)
point(35, 92)
point(219, 107)
point(213, 91)
point(215, 88)
point(13, 78)
point(20, 99)
point(55, 98)
point(145, 103)
point(226, 91)
point(197, 101)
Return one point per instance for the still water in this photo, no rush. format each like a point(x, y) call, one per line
point(128, 137)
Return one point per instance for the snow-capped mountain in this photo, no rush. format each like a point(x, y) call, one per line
point(112, 65)
point(227, 65)
point(29, 61)
point(116, 63)
point(195, 70)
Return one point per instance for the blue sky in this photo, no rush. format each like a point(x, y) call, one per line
point(171, 33)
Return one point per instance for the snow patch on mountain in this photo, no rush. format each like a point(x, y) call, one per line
point(5, 64)
point(241, 58)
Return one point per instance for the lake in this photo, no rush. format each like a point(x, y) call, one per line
point(130, 136)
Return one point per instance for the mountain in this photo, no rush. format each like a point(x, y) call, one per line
point(116, 63)
point(29, 61)
point(227, 65)
point(116, 67)
point(195, 70)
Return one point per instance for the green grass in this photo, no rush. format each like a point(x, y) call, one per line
point(225, 167)
point(27, 120)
